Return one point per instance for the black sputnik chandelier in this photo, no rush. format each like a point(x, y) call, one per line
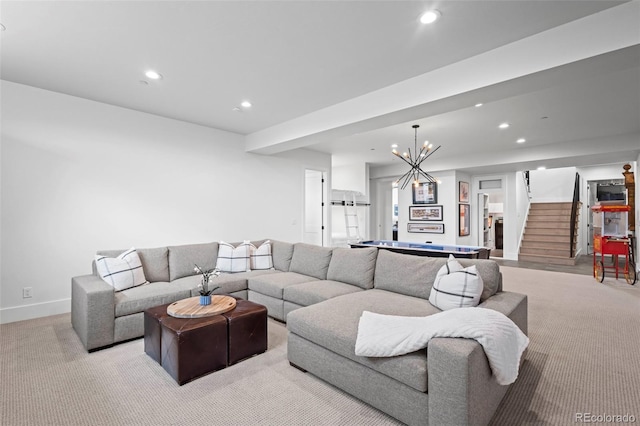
point(415, 172)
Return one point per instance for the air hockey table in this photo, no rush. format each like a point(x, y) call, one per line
point(427, 249)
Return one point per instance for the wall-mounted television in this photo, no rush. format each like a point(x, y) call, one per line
point(611, 192)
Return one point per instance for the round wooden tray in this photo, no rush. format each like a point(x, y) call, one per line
point(191, 307)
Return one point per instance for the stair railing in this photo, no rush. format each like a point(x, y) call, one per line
point(523, 225)
point(574, 214)
point(527, 184)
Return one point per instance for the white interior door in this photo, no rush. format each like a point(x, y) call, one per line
point(314, 207)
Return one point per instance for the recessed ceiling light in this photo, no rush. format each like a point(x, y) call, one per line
point(395, 145)
point(503, 125)
point(542, 168)
point(430, 16)
point(246, 104)
point(521, 140)
point(153, 75)
point(478, 105)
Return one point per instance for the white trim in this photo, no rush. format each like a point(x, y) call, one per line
point(36, 310)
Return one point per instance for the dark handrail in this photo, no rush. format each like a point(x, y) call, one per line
point(574, 212)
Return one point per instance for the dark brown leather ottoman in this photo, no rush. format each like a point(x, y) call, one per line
point(153, 331)
point(247, 325)
point(193, 347)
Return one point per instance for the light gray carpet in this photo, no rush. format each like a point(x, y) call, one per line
point(584, 357)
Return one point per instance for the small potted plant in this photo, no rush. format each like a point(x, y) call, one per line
point(205, 286)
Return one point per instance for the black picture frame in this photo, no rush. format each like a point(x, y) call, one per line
point(425, 228)
point(425, 193)
point(426, 213)
point(464, 222)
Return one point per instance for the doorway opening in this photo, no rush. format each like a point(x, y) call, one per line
point(494, 239)
point(609, 191)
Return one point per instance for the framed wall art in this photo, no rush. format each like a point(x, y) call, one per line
point(425, 193)
point(425, 212)
point(426, 228)
point(465, 220)
point(463, 192)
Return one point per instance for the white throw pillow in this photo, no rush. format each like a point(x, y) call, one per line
point(122, 272)
point(233, 259)
point(261, 257)
point(456, 287)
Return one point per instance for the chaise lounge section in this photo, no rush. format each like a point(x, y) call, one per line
point(449, 383)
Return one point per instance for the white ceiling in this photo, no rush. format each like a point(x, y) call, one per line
point(294, 59)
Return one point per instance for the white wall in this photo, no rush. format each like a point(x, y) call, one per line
point(553, 185)
point(602, 172)
point(448, 188)
point(353, 177)
point(472, 238)
point(447, 197)
point(507, 196)
point(78, 176)
point(511, 232)
point(381, 219)
point(522, 205)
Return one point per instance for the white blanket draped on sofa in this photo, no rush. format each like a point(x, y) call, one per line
point(389, 335)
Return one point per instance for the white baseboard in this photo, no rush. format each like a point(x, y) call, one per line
point(37, 310)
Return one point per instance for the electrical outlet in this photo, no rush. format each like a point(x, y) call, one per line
point(27, 292)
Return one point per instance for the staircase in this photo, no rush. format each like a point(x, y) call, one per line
point(546, 234)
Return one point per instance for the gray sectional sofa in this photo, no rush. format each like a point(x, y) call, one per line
point(321, 293)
